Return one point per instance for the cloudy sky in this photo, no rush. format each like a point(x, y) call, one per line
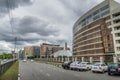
point(37, 21)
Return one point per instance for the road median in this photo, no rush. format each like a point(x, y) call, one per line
point(58, 64)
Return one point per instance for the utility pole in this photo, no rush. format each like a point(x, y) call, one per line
point(15, 39)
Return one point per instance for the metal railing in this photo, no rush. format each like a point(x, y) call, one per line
point(5, 66)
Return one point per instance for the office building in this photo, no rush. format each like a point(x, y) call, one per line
point(96, 34)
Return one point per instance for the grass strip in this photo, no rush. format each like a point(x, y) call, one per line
point(11, 73)
point(58, 64)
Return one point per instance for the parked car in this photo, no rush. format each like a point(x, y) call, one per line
point(66, 64)
point(99, 67)
point(84, 66)
point(114, 68)
point(74, 65)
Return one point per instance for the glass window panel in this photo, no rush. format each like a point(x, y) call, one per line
point(96, 17)
point(104, 8)
point(105, 12)
point(96, 12)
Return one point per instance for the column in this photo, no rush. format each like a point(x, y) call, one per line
point(91, 60)
point(62, 58)
point(82, 59)
point(56, 59)
point(59, 59)
point(75, 58)
point(115, 59)
point(101, 59)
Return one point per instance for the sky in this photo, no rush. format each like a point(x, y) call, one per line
point(34, 22)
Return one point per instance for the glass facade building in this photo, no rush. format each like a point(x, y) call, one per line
point(96, 34)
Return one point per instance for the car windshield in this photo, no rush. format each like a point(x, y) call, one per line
point(96, 64)
point(83, 63)
point(119, 65)
point(66, 62)
point(116, 65)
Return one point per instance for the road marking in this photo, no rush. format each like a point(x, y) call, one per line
point(19, 77)
point(48, 74)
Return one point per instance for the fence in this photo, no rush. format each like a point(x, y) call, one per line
point(59, 59)
point(5, 66)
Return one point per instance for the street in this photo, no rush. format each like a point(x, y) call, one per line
point(40, 71)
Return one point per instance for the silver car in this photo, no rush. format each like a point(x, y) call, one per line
point(74, 65)
point(84, 66)
point(99, 67)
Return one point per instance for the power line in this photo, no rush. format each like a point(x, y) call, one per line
point(11, 21)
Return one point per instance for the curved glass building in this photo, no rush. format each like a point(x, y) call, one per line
point(96, 34)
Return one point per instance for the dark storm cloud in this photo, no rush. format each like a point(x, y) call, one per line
point(6, 5)
point(30, 24)
point(60, 16)
point(28, 29)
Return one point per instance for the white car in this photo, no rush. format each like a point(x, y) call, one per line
point(31, 60)
point(84, 66)
point(24, 60)
point(99, 67)
point(74, 65)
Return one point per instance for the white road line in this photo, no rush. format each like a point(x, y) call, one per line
point(19, 77)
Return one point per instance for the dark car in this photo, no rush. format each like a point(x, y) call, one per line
point(66, 64)
point(114, 68)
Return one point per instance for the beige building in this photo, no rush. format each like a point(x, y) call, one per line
point(96, 34)
point(32, 50)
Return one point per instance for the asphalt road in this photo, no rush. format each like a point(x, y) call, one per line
point(39, 71)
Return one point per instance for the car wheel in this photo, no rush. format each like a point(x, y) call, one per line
point(93, 71)
point(109, 73)
point(87, 68)
point(103, 71)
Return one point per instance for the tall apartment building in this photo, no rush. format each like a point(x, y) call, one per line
point(96, 34)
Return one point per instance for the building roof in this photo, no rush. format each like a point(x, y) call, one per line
point(67, 53)
point(50, 44)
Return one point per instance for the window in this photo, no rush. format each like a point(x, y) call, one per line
point(118, 48)
point(104, 8)
point(116, 21)
point(96, 17)
point(118, 41)
point(116, 14)
point(117, 28)
point(105, 12)
point(96, 12)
